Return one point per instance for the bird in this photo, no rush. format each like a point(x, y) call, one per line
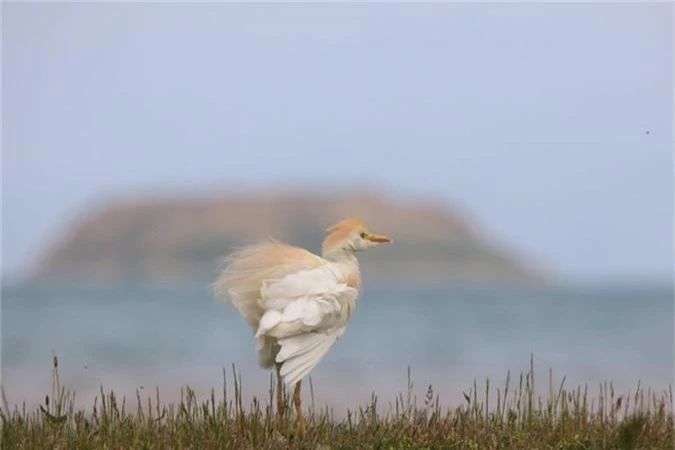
point(297, 303)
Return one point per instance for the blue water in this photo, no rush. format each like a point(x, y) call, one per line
point(131, 337)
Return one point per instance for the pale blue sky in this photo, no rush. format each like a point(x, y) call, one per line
point(532, 117)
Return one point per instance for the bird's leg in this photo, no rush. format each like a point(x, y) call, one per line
point(280, 397)
point(298, 408)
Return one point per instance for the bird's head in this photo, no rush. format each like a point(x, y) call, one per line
point(350, 235)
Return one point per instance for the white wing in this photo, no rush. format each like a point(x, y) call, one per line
point(300, 354)
point(246, 269)
point(306, 312)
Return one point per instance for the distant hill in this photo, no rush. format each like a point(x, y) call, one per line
point(181, 240)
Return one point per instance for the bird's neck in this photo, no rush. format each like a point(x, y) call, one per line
point(347, 264)
point(341, 256)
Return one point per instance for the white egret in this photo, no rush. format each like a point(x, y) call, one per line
point(297, 303)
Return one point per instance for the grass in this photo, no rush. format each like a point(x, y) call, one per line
point(509, 416)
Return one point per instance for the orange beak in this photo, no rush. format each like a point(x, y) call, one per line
point(378, 238)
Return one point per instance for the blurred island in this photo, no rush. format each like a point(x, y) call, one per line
point(181, 240)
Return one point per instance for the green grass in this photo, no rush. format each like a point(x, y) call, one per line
point(515, 418)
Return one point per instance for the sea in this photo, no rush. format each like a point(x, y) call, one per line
point(145, 339)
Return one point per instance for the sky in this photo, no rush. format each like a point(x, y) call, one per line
point(551, 125)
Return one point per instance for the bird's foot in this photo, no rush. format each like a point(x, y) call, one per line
point(302, 427)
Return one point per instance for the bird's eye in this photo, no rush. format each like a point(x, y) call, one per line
point(363, 235)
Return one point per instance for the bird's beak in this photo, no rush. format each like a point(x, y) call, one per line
point(378, 238)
